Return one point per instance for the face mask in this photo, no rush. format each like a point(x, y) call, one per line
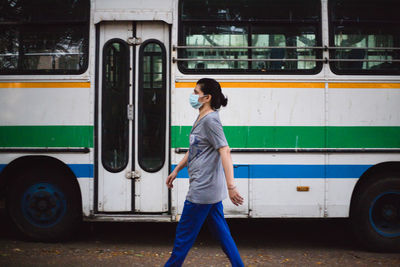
point(194, 101)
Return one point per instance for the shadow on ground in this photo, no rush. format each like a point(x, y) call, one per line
point(263, 233)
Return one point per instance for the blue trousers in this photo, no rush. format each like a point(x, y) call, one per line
point(193, 217)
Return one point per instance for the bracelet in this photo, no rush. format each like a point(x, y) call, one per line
point(232, 188)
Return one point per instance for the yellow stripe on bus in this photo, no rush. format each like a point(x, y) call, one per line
point(365, 85)
point(257, 85)
point(223, 84)
point(44, 84)
point(296, 85)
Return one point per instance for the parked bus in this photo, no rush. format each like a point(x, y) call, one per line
point(94, 109)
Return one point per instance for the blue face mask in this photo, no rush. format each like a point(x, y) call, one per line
point(194, 101)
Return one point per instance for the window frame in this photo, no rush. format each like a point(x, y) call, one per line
point(85, 24)
point(140, 103)
point(331, 30)
point(248, 24)
point(127, 62)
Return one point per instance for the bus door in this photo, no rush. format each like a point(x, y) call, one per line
point(132, 113)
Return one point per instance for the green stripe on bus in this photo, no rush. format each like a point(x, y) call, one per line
point(363, 136)
point(46, 136)
point(300, 136)
point(238, 136)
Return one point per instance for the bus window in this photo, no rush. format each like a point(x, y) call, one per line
point(115, 98)
point(217, 36)
point(246, 24)
point(44, 37)
point(284, 36)
point(359, 25)
point(152, 106)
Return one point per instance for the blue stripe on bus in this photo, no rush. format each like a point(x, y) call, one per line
point(80, 170)
point(260, 171)
point(345, 171)
point(292, 171)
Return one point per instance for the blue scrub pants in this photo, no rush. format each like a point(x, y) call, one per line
point(193, 217)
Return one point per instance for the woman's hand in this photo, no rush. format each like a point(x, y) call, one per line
point(235, 197)
point(171, 178)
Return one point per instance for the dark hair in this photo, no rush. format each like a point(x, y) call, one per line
point(212, 87)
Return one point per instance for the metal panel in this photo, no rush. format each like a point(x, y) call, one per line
point(114, 190)
point(151, 193)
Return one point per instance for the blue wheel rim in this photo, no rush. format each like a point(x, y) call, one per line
point(384, 214)
point(43, 204)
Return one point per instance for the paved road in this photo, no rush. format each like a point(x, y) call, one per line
point(262, 242)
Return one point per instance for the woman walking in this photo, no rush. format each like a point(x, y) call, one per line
point(211, 177)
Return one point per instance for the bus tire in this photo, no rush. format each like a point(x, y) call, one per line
point(375, 214)
point(44, 206)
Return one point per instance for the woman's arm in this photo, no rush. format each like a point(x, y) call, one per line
point(178, 167)
point(225, 153)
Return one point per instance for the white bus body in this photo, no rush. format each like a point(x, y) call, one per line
point(303, 136)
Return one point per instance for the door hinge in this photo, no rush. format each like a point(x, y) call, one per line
point(134, 40)
point(133, 175)
point(325, 213)
point(130, 112)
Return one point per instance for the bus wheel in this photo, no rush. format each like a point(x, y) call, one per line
point(375, 214)
point(44, 207)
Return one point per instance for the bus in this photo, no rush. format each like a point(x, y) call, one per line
point(94, 110)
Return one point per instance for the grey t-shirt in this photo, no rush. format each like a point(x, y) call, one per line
point(206, 174)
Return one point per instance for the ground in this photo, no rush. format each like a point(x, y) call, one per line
point(261, 242)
